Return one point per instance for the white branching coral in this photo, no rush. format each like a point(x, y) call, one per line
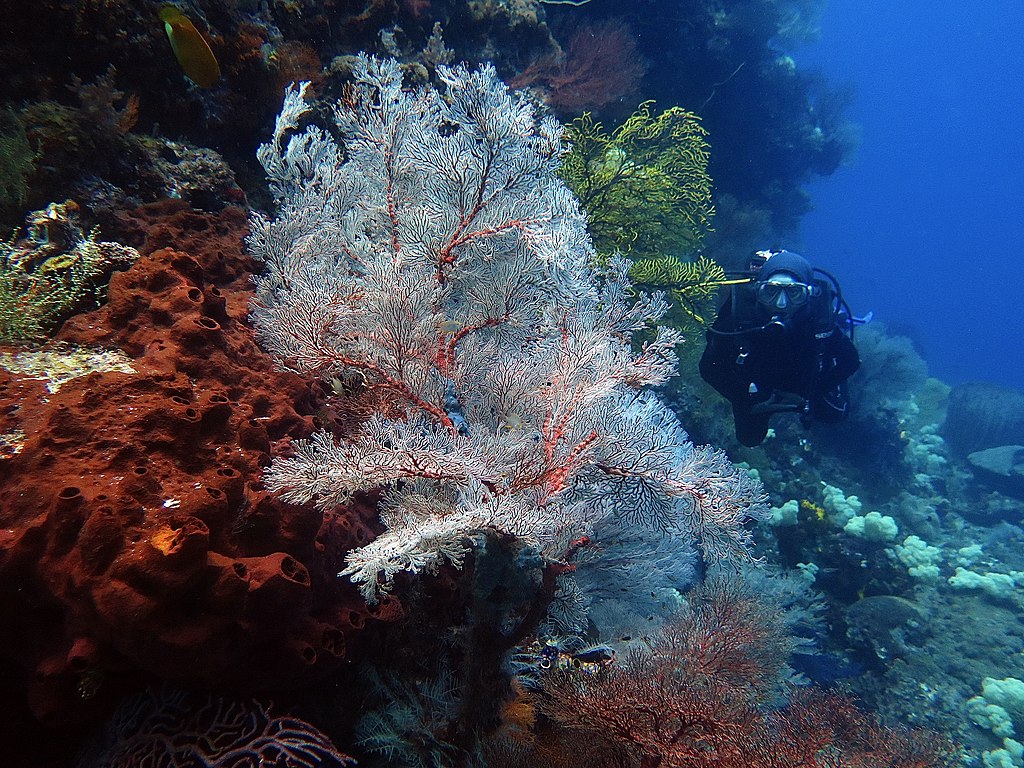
point(435, 255)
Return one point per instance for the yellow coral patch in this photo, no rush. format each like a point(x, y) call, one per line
point(816, 509)
point(165, 539)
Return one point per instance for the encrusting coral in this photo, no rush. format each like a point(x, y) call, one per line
point(58, 363)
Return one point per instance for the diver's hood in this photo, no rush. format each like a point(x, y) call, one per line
point(787, 261)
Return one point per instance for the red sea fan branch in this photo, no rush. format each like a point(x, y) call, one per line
point(602, 65)
point(696, 699)
point(690, 698)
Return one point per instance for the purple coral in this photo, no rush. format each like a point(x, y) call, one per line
point(167, 728)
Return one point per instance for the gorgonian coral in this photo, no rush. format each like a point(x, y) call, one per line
point(436, 259)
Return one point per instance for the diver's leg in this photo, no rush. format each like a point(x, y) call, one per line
point(751, 428)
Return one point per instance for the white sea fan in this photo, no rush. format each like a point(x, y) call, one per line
point(436, 255)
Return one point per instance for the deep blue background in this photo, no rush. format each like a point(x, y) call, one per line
point(926, 226)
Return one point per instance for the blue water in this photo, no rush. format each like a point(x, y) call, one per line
point(926, 227)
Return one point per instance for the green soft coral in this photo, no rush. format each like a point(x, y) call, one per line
point(645, 186)
point(17, 160)
point(692, 285)
point(52, 272)
point(647, 193)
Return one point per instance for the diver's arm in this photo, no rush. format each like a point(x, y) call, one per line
point(842, 361)
point(718, 367)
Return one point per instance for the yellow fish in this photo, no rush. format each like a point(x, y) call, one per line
point(190, 48)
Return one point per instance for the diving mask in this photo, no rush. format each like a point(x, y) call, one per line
point(783, 293)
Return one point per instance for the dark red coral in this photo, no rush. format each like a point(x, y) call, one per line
point(700, 697)
point(135, 535)
point(602, 65)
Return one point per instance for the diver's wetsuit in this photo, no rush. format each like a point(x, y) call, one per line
point(801, 367)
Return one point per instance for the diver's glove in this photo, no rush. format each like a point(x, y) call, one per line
point(781, 402)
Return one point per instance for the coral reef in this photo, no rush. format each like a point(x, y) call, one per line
point(53, 271)
point(891, 372)
point(697, 697)
point(17, 159)
point(885, 409)
point(916, 623)
point(88, 151)
point(199, 176)
point(407, 720)
point(137, 539)
point(89, 138)
point(773, 125)
point(58, 363)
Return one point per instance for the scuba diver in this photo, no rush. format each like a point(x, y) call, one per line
point(780, 345)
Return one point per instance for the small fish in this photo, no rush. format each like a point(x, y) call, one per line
point(190, 48)
point(511, 421)
point(598, 654)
